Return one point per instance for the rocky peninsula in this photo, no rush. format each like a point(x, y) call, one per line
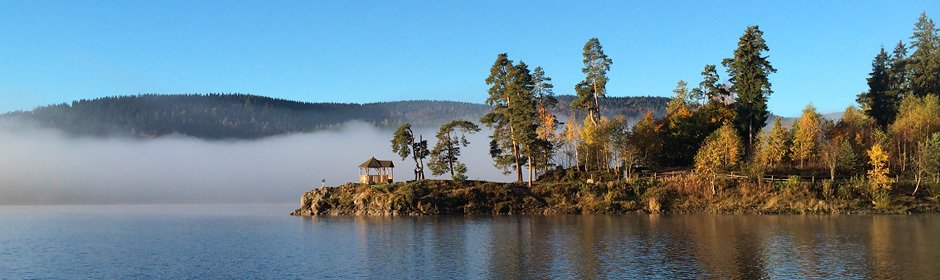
point(676, 194)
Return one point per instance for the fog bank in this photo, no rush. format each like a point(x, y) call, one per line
point(44, 166)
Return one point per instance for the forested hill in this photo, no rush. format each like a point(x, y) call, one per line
point(242, 116)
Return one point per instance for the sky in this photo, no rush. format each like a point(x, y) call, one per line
point(371, 51)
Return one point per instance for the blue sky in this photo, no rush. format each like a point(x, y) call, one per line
point(367, 51)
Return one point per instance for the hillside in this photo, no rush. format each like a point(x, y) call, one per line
point(243, 116)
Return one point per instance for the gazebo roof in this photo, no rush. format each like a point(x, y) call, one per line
point(374, 163)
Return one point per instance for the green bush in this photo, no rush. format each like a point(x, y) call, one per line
point(460, 171)
point(850, 189)
point(934, 190)
point(792, 183)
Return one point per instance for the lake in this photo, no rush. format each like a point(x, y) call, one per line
point(262, 241)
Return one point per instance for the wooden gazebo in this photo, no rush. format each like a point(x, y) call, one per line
point(376, 171)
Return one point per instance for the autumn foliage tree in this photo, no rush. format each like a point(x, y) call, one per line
point(721, 151)
point(856, 127)
point(646, 136)
point(836, 153)
point(918, 118)
point(806, 134)
point(544, 148)
point(878, 179)
point(772, 147)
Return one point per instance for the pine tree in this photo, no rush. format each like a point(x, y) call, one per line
point(504, 87)
point(523, 117)
point(748, 72)
point(899, 72)
point(879, 102)
point(594, 86)
point(710, 87)
point(680, 101)
point(925, 61)
point(445, 155)
point(404, 144)
point(545, 101)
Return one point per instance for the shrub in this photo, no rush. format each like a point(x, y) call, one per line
point(828, 189)
point(851, 187)
point(934, 190)
point(881, 199)
point(792, 182)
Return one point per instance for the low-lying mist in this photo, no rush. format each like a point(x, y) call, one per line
point(45, 166)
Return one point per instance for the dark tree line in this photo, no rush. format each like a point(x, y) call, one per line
point(898, 75)
point(243, 116)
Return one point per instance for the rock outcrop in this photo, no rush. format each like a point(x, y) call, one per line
point(434, 197)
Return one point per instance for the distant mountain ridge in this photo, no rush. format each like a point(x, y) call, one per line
point(245, 116)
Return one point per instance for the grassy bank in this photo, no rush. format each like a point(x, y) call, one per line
point(676, 194)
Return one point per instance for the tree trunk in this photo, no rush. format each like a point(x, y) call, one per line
point(832, 173)
point(626, 171)
point(577, 158)
point(417, 168)
point(422, 170)
point(597, 103)
point(421, 160)
point(531, 168)
point(607, 159)
point(515, 151)
point(515, 147)
point(450, 155)
point(617, 169)
point(714, 177)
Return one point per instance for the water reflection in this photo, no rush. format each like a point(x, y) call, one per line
point(680, 246)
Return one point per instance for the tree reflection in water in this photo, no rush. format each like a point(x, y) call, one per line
point(665, 246)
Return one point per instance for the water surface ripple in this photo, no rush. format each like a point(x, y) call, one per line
point(261, 241)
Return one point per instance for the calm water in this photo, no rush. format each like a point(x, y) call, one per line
point(261, 241)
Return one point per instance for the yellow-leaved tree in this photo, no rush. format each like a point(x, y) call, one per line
point(918, 118)
point(571, 136)
point(805, 136)
point(772, 147)
point(878, 179)
point(721, 151)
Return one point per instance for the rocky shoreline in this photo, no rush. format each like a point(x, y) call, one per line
point(671, 195)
